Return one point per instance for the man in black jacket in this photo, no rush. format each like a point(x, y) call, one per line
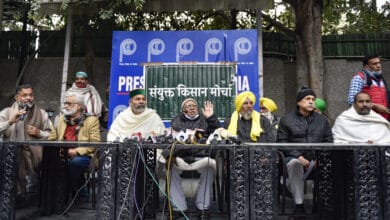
point(199, 160)
point(302, 125)
point(246, 123)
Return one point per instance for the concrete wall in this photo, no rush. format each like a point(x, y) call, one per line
point(45, 76)
point(279, 80)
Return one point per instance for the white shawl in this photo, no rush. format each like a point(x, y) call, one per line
point(92, 100)
point(126, 123)
point(350, 127)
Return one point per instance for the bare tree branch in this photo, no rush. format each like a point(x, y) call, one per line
point(279, 25)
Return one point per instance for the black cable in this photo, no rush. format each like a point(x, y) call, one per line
point(150, 191)
point(128, 187)
point(77, 192)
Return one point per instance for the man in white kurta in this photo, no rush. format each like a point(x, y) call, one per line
point(359, 124)
point(136, 118)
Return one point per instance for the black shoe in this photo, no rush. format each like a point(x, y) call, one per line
point(299, 209)
point(203, 214)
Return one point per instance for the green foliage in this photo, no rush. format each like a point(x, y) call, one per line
point(339, 17)
point(355, 17)
point(367, 19)
point(342, 17)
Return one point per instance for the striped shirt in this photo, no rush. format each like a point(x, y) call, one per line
point(355, 87)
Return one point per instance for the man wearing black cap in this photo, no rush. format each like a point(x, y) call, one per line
point(302, 125)
point(92, 100)
point(136, 118)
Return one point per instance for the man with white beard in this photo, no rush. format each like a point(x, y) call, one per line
point(25, 121)
point(136, 118)
point(246, 123)
point(74, 124)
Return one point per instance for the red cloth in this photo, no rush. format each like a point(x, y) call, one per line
point(70, 133)
point(378, 93)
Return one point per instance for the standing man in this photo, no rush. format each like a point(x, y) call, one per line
point(136, 118)
point(25, 121)
point(303, 125)
point(199, 160)
point(246, 123)
point(370, 80)
point(359, 124)
point(75, 125)
point(91, 97)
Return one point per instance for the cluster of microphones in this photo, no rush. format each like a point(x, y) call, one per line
point(187, 137)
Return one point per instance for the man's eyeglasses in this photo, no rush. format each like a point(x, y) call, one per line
point(68, 103)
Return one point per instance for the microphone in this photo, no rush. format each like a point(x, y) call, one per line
point(215, 139)
point(235, 139)
point(24, 107)
point(136, 136)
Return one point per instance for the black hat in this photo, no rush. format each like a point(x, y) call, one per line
point(303, 92)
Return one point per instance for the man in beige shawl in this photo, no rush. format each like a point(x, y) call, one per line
point(359, 124)
point(92, 100)
point(136, 118)
point(25, 121)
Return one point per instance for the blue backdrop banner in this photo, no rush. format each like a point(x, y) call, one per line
point(131, 49)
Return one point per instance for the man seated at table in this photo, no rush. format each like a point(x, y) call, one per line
point(136, 118)
point(246, 123)
point(359, 124)
point(199, 160)
point(76, 125)
point(302, 125)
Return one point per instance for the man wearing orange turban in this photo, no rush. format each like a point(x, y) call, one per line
point(246, 123)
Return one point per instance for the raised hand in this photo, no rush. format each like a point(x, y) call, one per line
point(208, 109)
